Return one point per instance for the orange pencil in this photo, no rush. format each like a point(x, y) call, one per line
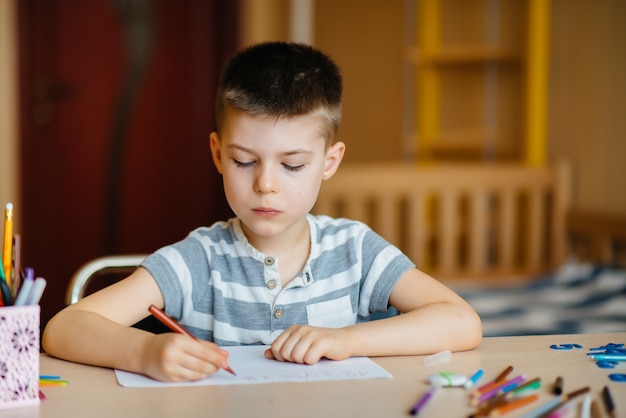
point(176, 327)
point(513, 404)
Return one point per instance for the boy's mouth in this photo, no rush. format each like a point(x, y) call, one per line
point(268, 212)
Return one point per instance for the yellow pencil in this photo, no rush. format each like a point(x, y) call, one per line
point(7, 249)
point(47, 382)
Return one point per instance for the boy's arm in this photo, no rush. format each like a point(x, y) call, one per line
point(97, 330)
point(434, 318)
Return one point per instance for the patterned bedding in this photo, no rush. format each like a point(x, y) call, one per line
point(578, 298)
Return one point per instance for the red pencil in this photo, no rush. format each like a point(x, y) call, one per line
point(176, 327)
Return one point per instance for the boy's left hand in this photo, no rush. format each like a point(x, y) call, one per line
point(307, 344)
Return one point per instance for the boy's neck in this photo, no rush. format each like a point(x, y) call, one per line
point(295, 238)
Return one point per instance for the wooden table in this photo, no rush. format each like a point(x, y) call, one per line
point(94, 392)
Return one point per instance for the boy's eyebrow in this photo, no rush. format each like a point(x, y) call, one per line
point(290, 152)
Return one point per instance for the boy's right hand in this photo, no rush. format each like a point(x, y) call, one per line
point(174, 357)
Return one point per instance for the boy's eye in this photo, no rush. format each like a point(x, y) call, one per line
point(293, 168)
point(243, 164)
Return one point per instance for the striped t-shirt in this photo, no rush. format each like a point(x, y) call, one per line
point(224, 290)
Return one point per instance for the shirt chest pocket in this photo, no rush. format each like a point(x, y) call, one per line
point(335, 313)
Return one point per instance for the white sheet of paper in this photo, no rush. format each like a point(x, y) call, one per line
point(252, 367)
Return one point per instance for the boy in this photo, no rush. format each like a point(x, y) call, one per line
point(274, 274)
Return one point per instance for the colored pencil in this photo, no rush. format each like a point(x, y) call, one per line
point(595, 409)
point(608, 402)
point(562, 411)
point(557, 389)
point(39, 285)
point(585, 409)
point(503, 386)
point(554, 403)
point(605, 356)
point(46, 382)
point(176, 327)
point(531, 384)
point(504, 374)
point(490, 385)
point(500, 399)
point(7, 249)
point(423, 401)
point(49, 377)
point(513, 404)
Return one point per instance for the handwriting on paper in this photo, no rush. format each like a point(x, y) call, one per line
point(253, 368)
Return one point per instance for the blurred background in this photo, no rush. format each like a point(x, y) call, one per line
point(106, 105)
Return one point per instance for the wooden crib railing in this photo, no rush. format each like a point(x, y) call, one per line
point(460, 221)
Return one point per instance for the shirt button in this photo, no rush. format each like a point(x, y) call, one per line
point(271, 284)
point(278, 313)
point(269, 261)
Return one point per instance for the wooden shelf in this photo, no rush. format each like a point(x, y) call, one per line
point(479, 68)
point(467, 143)
point(467, 138)
point(464, 55)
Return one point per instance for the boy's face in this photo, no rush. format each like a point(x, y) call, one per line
point(273, 169)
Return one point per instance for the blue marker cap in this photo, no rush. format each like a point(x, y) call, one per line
point(474, 378)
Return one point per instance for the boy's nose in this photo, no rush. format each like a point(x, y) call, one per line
point(266, 181)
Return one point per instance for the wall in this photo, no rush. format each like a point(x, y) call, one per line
point(264, 20)
point(365, 38)
point(587, 95)
point(369, 51)
point(8, 109)
point(588, 99)
point(587, 87)
point(125, 148)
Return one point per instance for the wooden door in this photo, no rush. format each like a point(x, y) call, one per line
point(117, 107)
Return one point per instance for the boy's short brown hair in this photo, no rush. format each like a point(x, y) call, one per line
point(281, 80)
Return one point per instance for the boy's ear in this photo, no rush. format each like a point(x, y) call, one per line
point(334, 155)
point(216, 151)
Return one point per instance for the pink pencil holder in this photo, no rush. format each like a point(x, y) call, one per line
point(19, 356)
